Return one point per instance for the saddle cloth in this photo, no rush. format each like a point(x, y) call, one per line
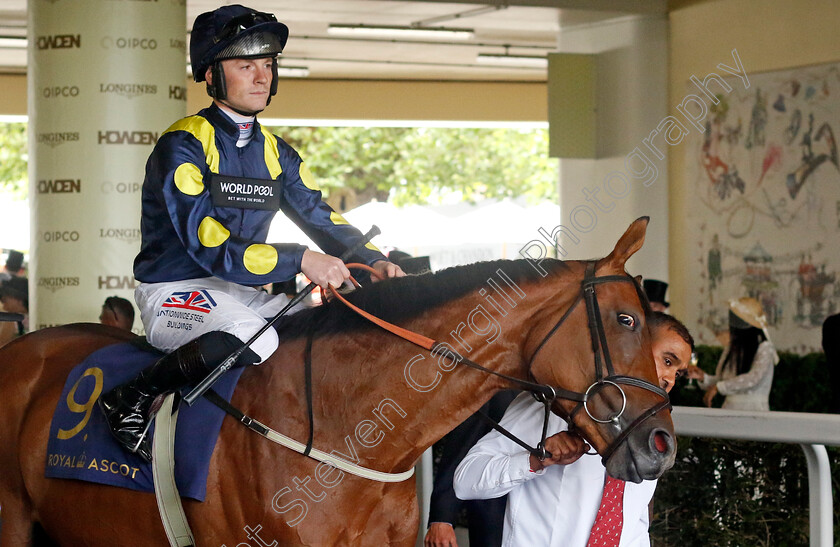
point(81, 447)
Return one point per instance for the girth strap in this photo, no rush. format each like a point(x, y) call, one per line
point(307, 374)
point(315, 454)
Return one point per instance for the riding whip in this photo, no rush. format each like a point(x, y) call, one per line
point(231, 359)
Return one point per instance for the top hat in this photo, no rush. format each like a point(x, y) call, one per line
point(655, 291)
point(14, 262)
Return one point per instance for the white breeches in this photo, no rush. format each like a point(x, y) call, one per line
point(176, 312)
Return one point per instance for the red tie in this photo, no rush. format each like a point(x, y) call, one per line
point(607, 528)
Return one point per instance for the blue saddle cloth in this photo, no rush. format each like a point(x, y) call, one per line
point(81, 446)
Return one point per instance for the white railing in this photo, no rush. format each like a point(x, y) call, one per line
point(811, 431)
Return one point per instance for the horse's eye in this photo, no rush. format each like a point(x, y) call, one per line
point(627, 320)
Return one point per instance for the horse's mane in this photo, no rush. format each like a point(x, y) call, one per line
point(403, 298)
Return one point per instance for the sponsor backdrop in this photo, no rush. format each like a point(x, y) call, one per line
point(106, 78)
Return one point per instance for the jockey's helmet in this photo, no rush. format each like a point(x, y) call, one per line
point(233, 32)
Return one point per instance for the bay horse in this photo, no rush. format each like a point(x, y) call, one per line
point(378, 401)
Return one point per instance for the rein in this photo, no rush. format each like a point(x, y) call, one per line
point(544, 393)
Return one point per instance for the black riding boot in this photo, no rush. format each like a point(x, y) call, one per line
point(127, 407)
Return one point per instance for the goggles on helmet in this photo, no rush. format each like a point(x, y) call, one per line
point(255, 44)
point(241, 23)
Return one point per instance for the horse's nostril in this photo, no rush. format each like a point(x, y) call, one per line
point(660, 441)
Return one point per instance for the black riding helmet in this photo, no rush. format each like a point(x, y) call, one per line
point(234, 32)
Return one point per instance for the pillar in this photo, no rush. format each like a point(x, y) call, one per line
point(618, 93)
point(106, 78)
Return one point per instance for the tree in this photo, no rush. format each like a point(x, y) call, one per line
point(13, 158)
point(419, 165)
point(354, 165)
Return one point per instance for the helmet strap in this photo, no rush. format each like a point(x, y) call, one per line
point(218, 89)
point(273, 90)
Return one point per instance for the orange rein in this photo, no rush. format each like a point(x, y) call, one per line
point(413, 337)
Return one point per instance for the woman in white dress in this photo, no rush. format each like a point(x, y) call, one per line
point(744, 373)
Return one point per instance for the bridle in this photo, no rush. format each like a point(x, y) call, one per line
point(602, 359)
point(544, 393)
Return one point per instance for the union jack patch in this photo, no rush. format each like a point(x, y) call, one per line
point(191, 300)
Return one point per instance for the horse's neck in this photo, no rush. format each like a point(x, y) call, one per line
point(416, 397)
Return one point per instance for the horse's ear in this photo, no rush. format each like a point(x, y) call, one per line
point(630, 242)
point(638, 279)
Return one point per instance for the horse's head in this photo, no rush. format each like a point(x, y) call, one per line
point(599, 356)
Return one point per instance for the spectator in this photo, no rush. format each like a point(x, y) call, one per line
point(484, 517)
point(13, 267)
point(8, 329)
point(655, 291)
point(410, 264)
point(14, 297)
point(555, 502)
point(831, 347)
point(117, 312)
point(744, 373)
point(396, 255)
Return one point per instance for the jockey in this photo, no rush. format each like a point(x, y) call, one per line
point(213, 184)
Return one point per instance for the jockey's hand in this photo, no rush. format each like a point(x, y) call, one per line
point(440, 534)
point(386, 269)
point(324, 269)
point(565, 448)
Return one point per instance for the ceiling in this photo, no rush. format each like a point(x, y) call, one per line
point(528, 28)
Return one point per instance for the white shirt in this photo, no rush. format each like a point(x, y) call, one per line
point(554, 507)
point(245, 125)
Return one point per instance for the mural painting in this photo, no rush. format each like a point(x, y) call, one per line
point(765, 204)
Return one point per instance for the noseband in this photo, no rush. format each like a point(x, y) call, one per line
point(601, 353)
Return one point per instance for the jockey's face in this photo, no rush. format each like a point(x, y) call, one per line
point(248, 83)
point(672, 355)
